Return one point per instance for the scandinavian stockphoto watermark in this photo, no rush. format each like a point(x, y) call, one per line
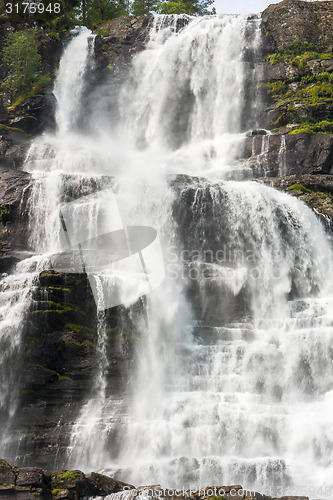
point(233, 492)
point(224, 264)
point(122, 262)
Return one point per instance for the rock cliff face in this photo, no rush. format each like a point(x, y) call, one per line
point(14, 191)
point(297, 94)
point(60, 337)
point(296, 21)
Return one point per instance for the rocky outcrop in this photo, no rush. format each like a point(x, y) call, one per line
point(14, 233)
point(30, 483)
point(298, 21)
point(296, 92)
point(117, 41)
point(300, 164)
point(280, 155)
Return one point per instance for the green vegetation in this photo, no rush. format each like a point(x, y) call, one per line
point(311, 197)
point(323, 127)
point(59, 378)
point(274, 87)
point(5, 215)
point(93, 12)
point(5, 128)
point(298, 54)
point(316, 92)
point(299, 187)
point(34, 91)
point(22, 60)
point(58, 490)
point(324, 76)
point(73, 327)
point(191, 7)
point(303, 100)
point(68, 475)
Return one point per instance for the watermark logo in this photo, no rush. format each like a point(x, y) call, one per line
point(122, 262)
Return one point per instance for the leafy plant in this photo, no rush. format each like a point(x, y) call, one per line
point(23, 62)
point(323, 127)
point(298, 54)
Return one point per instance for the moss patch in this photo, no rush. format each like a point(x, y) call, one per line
point(299, 187)
point(68, 475)
point(298, 54)
point(42, 82)
point(5, 128)
point(58, 490)
point(323, 127)
point(56, 375)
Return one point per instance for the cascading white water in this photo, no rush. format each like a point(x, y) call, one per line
point(15, 294)
point(246, 401)
point(69, 87)
point(236, 409)
point(70, 160)
point(239, 410)
point(190, 88)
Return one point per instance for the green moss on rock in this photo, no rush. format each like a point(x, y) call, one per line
point(299, 187)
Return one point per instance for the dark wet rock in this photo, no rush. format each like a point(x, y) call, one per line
point(117, 41)
point(7, 475)
point(14, 149)
point(105, 485)
point(14, 192)
point(35, 114)
point(208, 252)
point(303, 154)
point(59, 359)
point(282, 161)
point(29, 483)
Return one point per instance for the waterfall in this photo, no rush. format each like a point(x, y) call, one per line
point(70, 82)
point(282, 158)
point(15, 298)
point(196, 118)
point(232, 380)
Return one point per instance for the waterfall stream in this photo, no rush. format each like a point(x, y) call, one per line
point(239, 396)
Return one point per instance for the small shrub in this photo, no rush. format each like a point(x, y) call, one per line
point(22, 60)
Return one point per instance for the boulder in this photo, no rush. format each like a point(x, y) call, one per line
point(302, 154)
